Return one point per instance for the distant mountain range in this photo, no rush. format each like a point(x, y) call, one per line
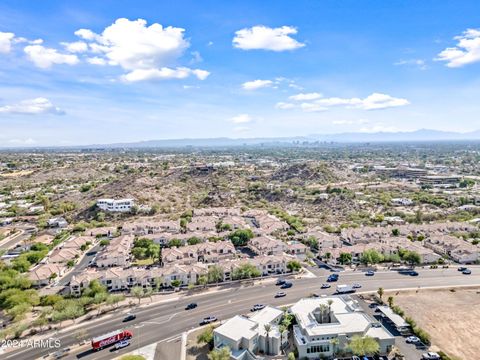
point(352, 137)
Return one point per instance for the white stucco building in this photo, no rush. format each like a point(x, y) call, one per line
point(247, 337)
point(121, 205)
point(319, 322)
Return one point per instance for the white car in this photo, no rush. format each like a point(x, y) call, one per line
point(122, 344)
point(356, 286)
point(431, 356)
point(412, 340)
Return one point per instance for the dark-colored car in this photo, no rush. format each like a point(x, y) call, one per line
point(462, 268)
point(280, 294)
point(466, 272)
point(286, 285)
point(208, 320)
point(191, 306)
point(370, 273)
point(280, 282)
point(332, 278)
point(413, 273)
point(129, 317)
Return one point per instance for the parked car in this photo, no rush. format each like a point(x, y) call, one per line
point(356, 286)
point(208, 320)
point(257, 307)
point(325, 286)
point(412, 340)
point(286, 285)
point(370, 273)
point(191, 306)
point(466, 272)
point(129, 317)
point(356, 358)
point(373, 305)
point(280, 282)
point(430, 356)
point(122, 344)
point(280, 294)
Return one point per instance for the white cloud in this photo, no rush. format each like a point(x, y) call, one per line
point(163, 74)
point(145, 52)
point(241, 119)
point(6, 39)
point(35, 106)
point(312, 107)
point(306, 96)
point(75, 47)
point(379, 127)
point(420, 63)
point(257, 84)
point(265, 38)
point(381, 101)
point(284, 105)
point(86, 34)
point(374, 101)
point(96, 61)
point(44, 57)
point(466, 52)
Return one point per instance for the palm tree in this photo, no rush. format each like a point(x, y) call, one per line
point(390, 301)
point(334, 342)
point(282, 328)
point(323, 309)
point(380, 293)
point(267, 328)
point(330, 302)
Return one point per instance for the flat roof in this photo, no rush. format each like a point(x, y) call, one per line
point(396, 319)
point(237, 327)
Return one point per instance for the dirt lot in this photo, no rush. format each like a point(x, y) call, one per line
point(451, 318)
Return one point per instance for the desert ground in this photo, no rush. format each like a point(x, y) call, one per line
point(450, 317)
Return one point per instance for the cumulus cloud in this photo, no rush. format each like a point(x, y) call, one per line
point(35, 106)
point(467, 50)
point(306, 96)
point(6, 39)
point(375, 101)
point(257, 84)
point(44, 57)
point(75, 47)
point(145, 52)
point(241, 119)
point(164, 73)
point(264, 38)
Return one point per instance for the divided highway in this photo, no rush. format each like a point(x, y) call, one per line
point(160, 322)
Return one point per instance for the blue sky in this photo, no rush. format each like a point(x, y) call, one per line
point(83, 72)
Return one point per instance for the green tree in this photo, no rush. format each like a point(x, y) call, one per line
point(291, 356)
point(137, 291)
point(380, 293)
point(294, 265)
point(215, 274)
point(371, 256)
point(245, 271)
point(363, 345)
point(220, 354)
point(345, 258)
point(241, 237)
point(334, 342)
point(390, 301)
point(206, 336)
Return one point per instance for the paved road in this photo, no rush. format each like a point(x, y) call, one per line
point(80, 267)
point(12, 241)
point(168, 320)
